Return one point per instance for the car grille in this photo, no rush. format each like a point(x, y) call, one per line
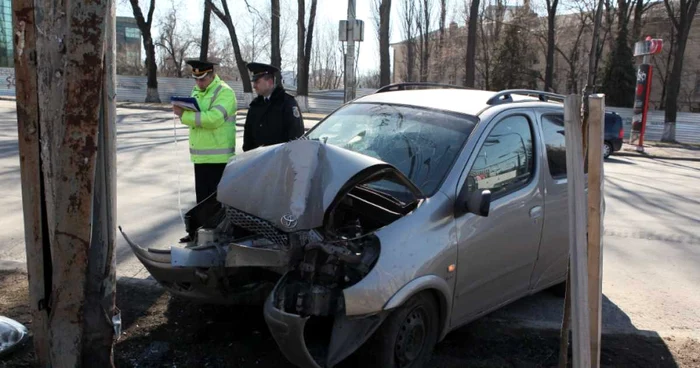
point(256, 225)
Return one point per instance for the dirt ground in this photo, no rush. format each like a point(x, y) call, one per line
point(162, 331)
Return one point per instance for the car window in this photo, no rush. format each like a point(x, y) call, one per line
point(421, 143)
point(505, 161)
point(555, 143)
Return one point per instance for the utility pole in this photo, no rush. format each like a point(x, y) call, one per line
point(66, 126)
point(350, 54)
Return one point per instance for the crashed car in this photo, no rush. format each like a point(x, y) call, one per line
point(398, 218)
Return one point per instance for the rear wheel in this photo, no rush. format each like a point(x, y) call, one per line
point(407, 338)
point(607, 149)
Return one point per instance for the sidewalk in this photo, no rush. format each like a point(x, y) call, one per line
point(659, 150)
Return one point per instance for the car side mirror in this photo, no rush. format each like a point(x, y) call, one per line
point(477, 202)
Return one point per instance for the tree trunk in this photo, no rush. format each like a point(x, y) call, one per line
point(304, 42)
point(637, 23)
point(384, 23)
point(206, 26)
point(275, 54)
point(225, 17)
point(470, 75)
point(144, 25)
point(152, 69)
point(673, 87)
point(549, 67)
point(673, 84)
point(65, 99)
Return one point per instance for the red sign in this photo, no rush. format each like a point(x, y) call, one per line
point(651, 46)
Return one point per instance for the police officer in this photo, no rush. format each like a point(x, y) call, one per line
point(212, 130)
point(273, 116)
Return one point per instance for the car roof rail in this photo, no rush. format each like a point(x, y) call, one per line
point(506, 96)
point(417, 85)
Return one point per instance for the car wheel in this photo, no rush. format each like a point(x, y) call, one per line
point(607, 149)
point(407, 337)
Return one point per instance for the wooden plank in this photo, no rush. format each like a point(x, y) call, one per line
point(37, 245)
point(577, 232)
point(596, 119)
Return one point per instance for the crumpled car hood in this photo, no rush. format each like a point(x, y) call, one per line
point(291, 185)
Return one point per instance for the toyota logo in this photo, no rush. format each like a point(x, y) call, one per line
point(289, 221)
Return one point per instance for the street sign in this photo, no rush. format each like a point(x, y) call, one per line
point(641, 105)
point(650, 46)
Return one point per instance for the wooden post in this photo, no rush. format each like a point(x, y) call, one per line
point(577, 232)
point(596, 123)
point(66, 117)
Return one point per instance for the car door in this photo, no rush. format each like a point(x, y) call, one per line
point(554, 247)
point(497, 253)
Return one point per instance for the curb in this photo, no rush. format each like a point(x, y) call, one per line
point(655, 157)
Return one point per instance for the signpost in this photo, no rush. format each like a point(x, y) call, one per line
point(350, 31)
point(641, 100)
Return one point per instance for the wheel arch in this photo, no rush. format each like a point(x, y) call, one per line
point(438, 289)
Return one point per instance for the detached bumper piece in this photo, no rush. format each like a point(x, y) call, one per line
point(200, 273)
point(288, 330)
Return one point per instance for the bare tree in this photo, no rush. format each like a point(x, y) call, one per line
point(570, 48)
point(423, 23)
point(275, 53)
point(327, 61)
point(304, 42)
point(175, 45)
point(408, 24)
point(206, 29)
point(144, 25)
point(551, 30)
point(490, 25)
point(472, 20)
point(382, 19)
point(682, 19)
point(225, 17)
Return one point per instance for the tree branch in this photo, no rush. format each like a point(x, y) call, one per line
point(150, 12)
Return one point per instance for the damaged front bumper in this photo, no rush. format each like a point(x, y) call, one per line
point(212, 273)
point(290, 332)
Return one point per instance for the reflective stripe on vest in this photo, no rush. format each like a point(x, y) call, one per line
point(222, 110)
point(216, 93)
point(198, 119)
point(220, 151)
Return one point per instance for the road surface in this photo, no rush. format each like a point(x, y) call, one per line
point(652, 241)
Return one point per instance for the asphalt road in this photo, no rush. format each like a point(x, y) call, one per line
point(652, 238)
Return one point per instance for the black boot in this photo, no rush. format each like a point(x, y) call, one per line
point(186, 239)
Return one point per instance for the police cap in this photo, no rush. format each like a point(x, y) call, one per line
point(259, 70)
point(201, 68)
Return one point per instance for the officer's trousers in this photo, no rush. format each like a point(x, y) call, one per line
point(206, 179)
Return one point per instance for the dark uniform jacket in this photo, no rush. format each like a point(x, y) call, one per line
point(273, 122)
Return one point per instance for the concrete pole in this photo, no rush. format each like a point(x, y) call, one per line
point(350, 55)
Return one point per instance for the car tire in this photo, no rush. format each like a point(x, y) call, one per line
point(607, 149)
point(407, 337)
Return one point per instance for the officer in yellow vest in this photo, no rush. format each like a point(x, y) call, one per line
point(212, 131)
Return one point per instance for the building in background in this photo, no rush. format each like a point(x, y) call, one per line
point(6, 47)
point(129, 47)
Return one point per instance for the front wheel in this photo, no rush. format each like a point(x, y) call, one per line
point(407, 337)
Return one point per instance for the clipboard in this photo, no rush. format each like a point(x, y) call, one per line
point(187, 103)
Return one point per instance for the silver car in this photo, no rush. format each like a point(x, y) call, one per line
point(398, 218)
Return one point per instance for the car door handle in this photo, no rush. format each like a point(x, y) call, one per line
point(536, 212)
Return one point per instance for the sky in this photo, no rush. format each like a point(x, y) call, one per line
point(329, 13)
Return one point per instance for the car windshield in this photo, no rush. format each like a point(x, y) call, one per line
point(421, 143)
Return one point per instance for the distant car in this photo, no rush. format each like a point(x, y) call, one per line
point(614, 134)
point(398, 218)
